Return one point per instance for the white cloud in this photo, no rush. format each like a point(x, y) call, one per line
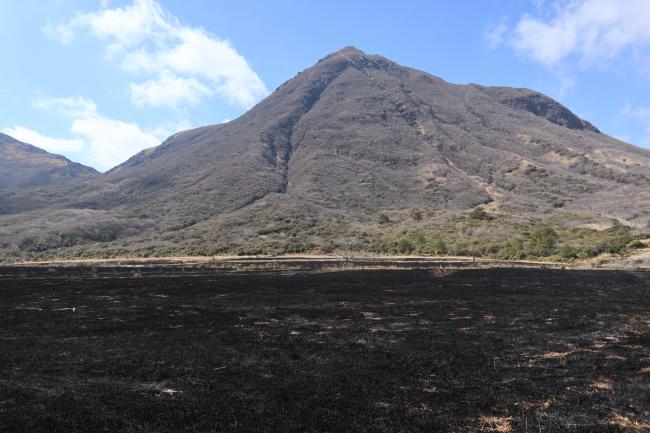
point(590, 31)
point(170, 90)
point(70, 107)
point(53, 145)
point(112, 141)
point(495, 34)
point(105, 142)
point(62, 34)
point(127, 27)
point(145, 39)
point(545, 43)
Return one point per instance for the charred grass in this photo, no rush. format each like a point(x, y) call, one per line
point(161, 350)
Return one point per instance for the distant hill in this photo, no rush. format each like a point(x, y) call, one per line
point(359, 147)
point(23, 165)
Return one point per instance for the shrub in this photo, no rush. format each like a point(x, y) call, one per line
point(252, 250)
point(617, 237)
point(419, 240)
point(439, 247)
point(567, 252)
point(543, 242)
point(461, 248)
point(405, 245)
point(383, 219)
point(636, 244)
point(558, 204)
point(294, 246)
point(328, 248)
point(416, 214)
point(512, 249)
point(479, 213)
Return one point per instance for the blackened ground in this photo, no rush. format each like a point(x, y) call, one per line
point(348, 351)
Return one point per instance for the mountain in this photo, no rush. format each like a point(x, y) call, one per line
point(337, 151)
point(23, 165)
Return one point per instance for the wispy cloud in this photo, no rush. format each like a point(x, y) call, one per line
point(579, 33)
point(635, 111)
point(495, 34)
point(640, 114)
point(181, 64)
point(69, 107)
point(63, 34)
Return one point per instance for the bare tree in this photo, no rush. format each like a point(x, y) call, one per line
point(348, 247)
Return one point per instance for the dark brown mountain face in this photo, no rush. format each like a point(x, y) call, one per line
point(540, 105)
point(350, 138)
point(23, 165)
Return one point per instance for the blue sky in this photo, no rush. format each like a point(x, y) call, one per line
point(97, 81)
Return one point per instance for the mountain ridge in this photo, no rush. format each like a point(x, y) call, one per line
point(25, 165)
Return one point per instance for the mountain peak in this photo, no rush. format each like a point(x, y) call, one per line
point(350, 50)
point(22, 164)
point(346, 53)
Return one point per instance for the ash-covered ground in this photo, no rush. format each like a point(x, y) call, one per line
point(162, 350)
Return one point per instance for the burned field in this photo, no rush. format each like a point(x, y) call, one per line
point(160, 350)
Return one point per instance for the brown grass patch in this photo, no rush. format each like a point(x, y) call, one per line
point(615, 358)
point(625, 423)
point(555, 355)
point(603, 384)
point(496, 424)
point(535, 405)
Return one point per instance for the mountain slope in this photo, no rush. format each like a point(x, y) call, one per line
point(360, 131)
point(23, 165)
point(353, 137)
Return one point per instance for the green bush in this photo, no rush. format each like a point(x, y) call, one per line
point(405, 245)
point(438, 246)
point(419, 240)
point(512, 249)
point(543, 242)
point(615, 239)
point(568, 252)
